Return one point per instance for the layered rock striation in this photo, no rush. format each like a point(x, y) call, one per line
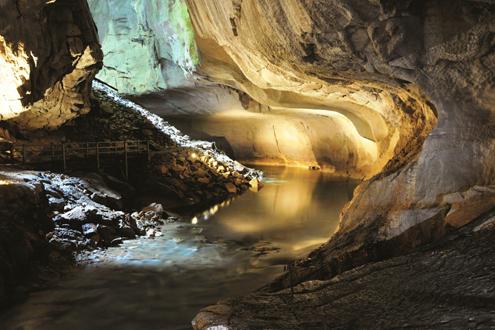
point(161, 70)
point(423, 69)
point(405, 64)
point(295, 55)
point(394, 293)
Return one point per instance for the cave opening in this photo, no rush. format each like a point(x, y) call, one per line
point(247, 164)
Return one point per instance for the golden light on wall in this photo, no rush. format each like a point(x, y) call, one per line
point(294, 137)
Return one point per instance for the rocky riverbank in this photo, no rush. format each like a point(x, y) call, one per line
point(47, 218)
point(184, 170)
point(445, 285)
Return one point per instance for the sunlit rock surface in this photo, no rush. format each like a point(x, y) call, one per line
point(49, 53)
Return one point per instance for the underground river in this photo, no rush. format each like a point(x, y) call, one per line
point(228, 250)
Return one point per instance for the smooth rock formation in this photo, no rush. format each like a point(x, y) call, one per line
point(403, 64)
point(159, 68)
point(399, 64)
point(49, 53)
point(287, 137)
point(292, 55)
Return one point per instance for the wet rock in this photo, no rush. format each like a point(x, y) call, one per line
point(105, 200)
point(89, 229)
point(77, 216)
point(231, 188)
point(57, 204)
point(152, 233)
point(82, 215)
point(126, 230)
point(68, 240)
point(263, 248)
point(116, 241)
point(107, 234)
point(419, 290)
point(155, 209)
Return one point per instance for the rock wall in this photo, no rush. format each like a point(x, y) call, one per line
point(405, 62)
point(148, 45)
point(293, 54)
point(151, 55)
point(49, 53)
point(23, 224)
point(298, 138)
point(422, 290)
point(402, 64)
point(181, 170)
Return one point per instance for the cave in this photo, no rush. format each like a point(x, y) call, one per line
point(247, 164)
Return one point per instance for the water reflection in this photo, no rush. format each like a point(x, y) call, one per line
point(227, 250)
point(295, 211)
point(208, 213)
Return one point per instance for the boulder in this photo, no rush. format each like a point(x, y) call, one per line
point(49, 53)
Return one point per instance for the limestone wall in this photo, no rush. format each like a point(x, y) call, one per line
point(148, 45)
point(403, 63)
point(49, 53)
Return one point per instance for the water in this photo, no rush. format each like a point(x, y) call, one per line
point(228, 250)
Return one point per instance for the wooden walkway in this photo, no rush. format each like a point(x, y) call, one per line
point(63, 152)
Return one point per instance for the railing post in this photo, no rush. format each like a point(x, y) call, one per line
point(148, 152)
point(12, 152)
point(126, 164)
point(63, 157)
point(98, 156)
